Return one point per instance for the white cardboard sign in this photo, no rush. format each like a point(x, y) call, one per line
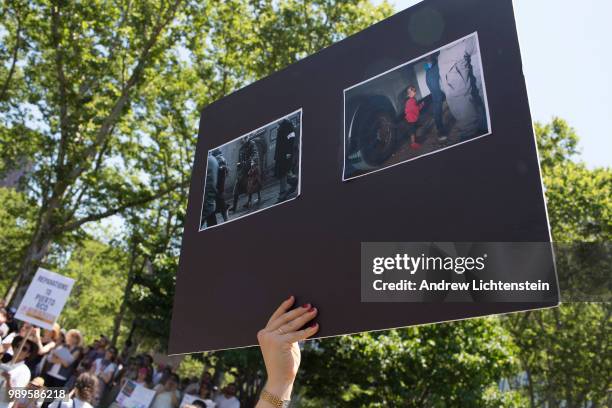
point(134, 395)
point(44, 299)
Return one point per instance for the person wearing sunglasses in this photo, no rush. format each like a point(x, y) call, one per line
point(16, 374)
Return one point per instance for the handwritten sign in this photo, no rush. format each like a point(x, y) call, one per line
point(44, 299)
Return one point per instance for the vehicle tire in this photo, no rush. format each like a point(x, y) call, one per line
point(375, 130)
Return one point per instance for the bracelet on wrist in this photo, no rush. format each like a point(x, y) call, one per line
point(274, 400)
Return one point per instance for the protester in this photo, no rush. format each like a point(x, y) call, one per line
point(83, 394)
point(278, 342)
point(92, 353)
point(64, 360)
point(47, 342)
point(163, 374)
point(143, 377)
point(30, 400)
point(19, 374)
point(195, 387)
point(11, 322)
point(205, 392)
point(167, 394)
point(4, 329)
point(104, 368)
point(227, 398)
point(7, 342)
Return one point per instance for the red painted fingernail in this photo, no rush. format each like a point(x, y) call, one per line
point(306, 306)
point(312, 309)
point(314, 324)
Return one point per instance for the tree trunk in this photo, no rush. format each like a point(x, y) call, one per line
point(36, 252)
point(11, 289)
point(124, 302)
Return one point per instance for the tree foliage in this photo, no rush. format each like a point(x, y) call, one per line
point(16, 213)
point(562, 351)
point(99, 278)
point(443, 365)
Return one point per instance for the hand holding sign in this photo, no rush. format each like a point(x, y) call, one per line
point(278, 342)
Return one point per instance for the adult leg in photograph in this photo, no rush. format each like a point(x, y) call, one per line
point(222, 173)
point(437, 96)
point(283, 156)
point(237, 191)
point(477, 91)
point(458, 85)
point(282, 193)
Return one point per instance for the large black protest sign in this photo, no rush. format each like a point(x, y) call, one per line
point(414, 130)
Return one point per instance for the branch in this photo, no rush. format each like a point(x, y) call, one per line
point(110, 121)
point(62, 85)
point(5, 86)
point(108, 213)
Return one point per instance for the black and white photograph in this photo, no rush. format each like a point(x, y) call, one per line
point(253, 172)
point(415, 109)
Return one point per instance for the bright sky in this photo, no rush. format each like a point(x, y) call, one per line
point(567, 60)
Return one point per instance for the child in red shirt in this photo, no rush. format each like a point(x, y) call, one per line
point(411, 114)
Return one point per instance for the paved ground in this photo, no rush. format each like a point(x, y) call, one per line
point(269, 197)
point(430, 143)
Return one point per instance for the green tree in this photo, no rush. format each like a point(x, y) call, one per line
point(16, 214)
point(564, 352)
point(443, 365)
point(96, 85)
point(99, 274)
point(73, 109)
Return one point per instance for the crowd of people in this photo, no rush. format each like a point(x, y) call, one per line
point(94, 374)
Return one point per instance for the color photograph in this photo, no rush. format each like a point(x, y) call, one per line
point(418, 108)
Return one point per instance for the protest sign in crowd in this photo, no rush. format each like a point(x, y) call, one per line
point(93, 375)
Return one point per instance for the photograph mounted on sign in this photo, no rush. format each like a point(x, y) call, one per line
point(253, 172)
point(423, 106)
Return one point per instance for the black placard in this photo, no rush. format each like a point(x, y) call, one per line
point(233, 276)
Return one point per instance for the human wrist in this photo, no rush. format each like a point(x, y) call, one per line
point(281, 389)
